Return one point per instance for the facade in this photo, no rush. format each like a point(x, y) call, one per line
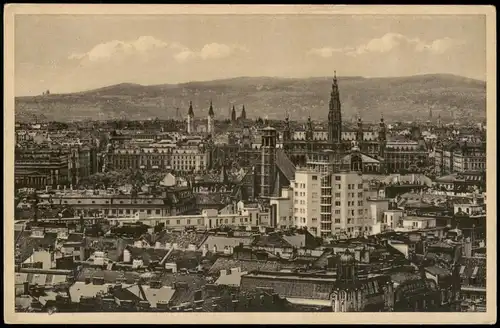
point(328, 204)
point(99, 202)
point(43, 166)
point(377, 153)
point(160, 156)
point(460, 157)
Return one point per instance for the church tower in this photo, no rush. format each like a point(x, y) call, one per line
point(210, 119)
point(233, 115)
point(190, 119)
point(268, 161)
point(243, 115)
point(334, 114)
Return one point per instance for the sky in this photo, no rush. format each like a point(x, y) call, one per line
point(68, 53)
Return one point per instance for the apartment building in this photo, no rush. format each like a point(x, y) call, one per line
point(306, 200)
point(329, 204)
point(350, 210)
point(183, 158)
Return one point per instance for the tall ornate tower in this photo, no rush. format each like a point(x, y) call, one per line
point(334, 114)
point(243, 115)
point(268, 161)
point(210, 119)
point(190, 119)
point(233, 115)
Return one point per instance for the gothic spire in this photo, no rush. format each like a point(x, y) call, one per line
point(243, 113)
point(191, 112)
point(233, 114)
point(211, 110)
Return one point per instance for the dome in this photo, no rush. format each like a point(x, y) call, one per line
point(347, 257)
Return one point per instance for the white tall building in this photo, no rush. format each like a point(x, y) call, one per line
point(306, 200)
point(330, 204)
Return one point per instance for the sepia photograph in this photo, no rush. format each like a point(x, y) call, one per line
point(253, 159)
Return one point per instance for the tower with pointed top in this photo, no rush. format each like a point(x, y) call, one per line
point(233, 115)
point(243, 115)
point(210, 119)
point(190, 119)
point(334, 114)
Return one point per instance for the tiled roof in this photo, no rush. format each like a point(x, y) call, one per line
point(108, 275)
point(285, 165)
point(185, 291)
point(473, 271)
point(26, 244)
point(223, 263)
point(222, 242)
point(153, 295)
point(273, 240)
point(295, 288)
point(185, 259)
point(147, 255)
point(183, 239)
point(401, 277)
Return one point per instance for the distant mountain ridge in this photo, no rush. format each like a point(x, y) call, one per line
point(396, 98)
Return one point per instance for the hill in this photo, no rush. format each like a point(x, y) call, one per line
point(397, 98)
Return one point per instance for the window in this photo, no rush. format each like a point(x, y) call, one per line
point(337, 221)
point(178, 221)
point(337, 211)
point(128, 212)
point(337, 203)
point(158, 212)
point(188, 221)
point(360, 194)
point(337, 178)
point(315, 177)
point(149, 212)
point(360, 186)
point(337, 194)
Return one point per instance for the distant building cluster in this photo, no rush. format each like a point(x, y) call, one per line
point(250, 215)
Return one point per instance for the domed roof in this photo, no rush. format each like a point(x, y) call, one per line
point(347, 257)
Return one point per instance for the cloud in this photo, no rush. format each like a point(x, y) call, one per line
point(326, 52)
point(146, 45)
point(211, 51)
point(390, 42)
point(112, 49)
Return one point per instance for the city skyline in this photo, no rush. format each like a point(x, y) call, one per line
point(76, 53)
